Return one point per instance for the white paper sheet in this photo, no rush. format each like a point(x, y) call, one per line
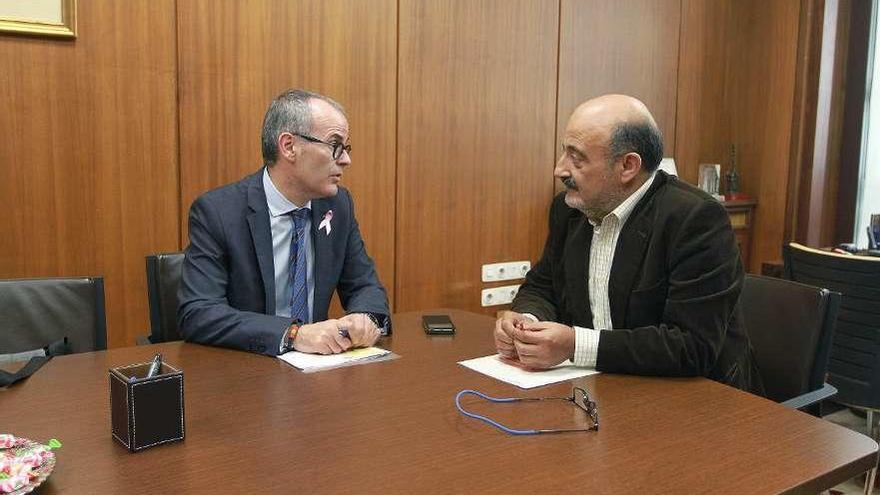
point(318, 362)
point(496, 368)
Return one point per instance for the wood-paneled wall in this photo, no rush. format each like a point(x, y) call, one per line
point(621, 46)
point(703, 112)
point(761, 96)
point(736, 87)
point(477, 95)
point(235, 57)
point(88, 153)
point(455, 108)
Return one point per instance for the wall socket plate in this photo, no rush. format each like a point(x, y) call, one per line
point(510, 270)
point(498, 295)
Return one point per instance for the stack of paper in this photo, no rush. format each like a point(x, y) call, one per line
point(317, 362)
point(495, 367)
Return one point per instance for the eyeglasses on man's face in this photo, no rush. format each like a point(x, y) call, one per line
point(336, 148)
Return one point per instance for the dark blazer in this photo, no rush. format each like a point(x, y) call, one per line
point(673, 291)
point(227, 293)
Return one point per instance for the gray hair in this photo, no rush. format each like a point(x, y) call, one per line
point(642, 138)
point(289, 112)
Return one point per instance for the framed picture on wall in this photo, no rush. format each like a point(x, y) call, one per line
point(38, 17)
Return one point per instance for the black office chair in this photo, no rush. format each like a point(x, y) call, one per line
point(790, 326)
point(36, 313)
point(163, 279)
point(854, 365)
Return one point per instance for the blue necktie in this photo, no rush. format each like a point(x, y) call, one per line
point(299, 294)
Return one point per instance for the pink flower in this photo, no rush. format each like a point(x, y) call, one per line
point(19, 476)
point(6, 441)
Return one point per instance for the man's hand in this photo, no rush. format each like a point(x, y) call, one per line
point(321, 338)
point(504, 333)
point(543, 344)
point(361, 330)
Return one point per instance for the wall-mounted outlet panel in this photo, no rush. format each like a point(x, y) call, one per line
point(511, 270)
point(498, 295)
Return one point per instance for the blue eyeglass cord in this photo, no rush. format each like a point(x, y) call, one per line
point(487, 420)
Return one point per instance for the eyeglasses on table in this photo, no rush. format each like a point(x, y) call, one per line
point(579, 397)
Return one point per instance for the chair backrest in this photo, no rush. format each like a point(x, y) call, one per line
point(163, 279)
point(790, 326)
point(35, 313)
point(854, 366)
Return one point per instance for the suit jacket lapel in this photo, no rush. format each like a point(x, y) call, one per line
point(577, 269)
point(630, 253)
point(628, 263)
point(261, 233)
point(321, 245)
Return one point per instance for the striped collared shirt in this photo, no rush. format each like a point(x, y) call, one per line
point(605, 236)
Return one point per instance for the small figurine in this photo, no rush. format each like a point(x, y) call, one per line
point(732, 191)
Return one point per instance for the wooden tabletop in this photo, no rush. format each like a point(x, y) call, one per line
point(256, 425)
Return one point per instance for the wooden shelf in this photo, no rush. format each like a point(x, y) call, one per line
point(742, 216)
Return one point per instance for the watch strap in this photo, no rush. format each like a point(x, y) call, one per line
point(292, 332)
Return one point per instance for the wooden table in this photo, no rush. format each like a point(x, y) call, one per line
point(256, 425)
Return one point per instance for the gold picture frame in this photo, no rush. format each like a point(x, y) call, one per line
point(39, 17)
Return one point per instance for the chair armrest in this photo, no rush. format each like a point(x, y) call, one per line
point(810, 398)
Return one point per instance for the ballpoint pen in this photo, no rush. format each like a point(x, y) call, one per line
point(155, 366)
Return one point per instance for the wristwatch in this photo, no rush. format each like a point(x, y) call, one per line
point(382, 322)
point(375, 321)
point(291, 335)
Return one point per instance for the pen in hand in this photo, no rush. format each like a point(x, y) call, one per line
point(155, 366)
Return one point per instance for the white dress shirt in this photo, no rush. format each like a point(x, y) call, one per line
point(605, 236)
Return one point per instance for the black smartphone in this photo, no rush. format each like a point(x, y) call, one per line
point(438, 325)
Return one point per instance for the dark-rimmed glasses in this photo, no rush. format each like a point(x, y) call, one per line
point(579, 396)
point(336, 148)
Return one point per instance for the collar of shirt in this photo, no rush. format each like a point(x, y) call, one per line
point(275, 200)
point(619, 215)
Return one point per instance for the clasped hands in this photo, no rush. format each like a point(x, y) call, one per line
point(329, 336)
point(533, 344)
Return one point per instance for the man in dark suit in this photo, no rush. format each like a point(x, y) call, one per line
point(640, 272)
point(267, 252)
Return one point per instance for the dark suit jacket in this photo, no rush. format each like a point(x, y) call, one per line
point(227, 293)
point(674, 287)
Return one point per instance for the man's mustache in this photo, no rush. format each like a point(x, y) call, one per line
point(569, 183)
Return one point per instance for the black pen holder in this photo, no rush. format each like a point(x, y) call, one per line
point(145, 412)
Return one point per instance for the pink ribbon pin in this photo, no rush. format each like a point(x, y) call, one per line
point(325, 223)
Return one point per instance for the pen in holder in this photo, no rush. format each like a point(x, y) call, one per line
point(146, 411)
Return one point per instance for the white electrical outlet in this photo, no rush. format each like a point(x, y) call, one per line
point(498, 295)
point(511, 270)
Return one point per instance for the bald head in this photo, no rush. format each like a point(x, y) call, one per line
point(624, 124)
point(610, 147)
